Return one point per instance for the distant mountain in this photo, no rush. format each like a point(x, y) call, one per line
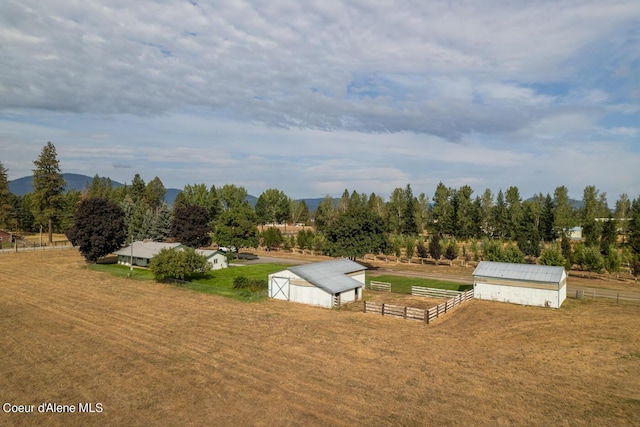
point(24, 185)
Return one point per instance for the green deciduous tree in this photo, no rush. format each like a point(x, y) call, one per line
point(99, 228)
point(237, 227)
point(272, 237)
point(356, 232)
point(48, 188)
point(612, 261)
point(552, 256)
point(591, 260)
point(180, 263)
point(272, 206)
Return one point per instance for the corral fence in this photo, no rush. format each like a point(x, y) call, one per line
point(433, 292)
point(380, 286)
point(412, 313)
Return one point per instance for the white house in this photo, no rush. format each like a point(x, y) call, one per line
point(525, 284)
point(217, 259)
point(142, 252)
point(324, 284)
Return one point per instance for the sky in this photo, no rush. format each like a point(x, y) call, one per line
point(314, 97)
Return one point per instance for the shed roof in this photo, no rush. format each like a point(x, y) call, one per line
point(146, 249)
point(208, 253)
point(524, 272)
point(330, 276)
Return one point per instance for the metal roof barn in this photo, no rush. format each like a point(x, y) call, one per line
point(526, 284)
point(325, 284)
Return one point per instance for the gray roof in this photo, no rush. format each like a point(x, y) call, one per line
point(330, 276)
point(524, 272)
point(146, 249)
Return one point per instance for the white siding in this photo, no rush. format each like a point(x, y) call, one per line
point(520, 294)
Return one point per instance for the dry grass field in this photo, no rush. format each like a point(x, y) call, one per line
point(154, 354)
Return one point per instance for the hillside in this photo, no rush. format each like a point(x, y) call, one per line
point(24, 185)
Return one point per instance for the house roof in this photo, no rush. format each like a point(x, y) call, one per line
point(524, 272)
point(208, 253)
point(330, 276)
point(146, 249)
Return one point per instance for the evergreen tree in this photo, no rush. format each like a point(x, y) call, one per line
point(409, 213)
point(161, 225)
point(155, 193)
point(442, 211)
point(465, 215)
point(325, 214)
point(138, 189)
point(514, 212)
point(435, 248)
point(563, 215)
point(7, 221)
point(100, 187)
point(609, 236)
point(48, 188)
point(621, 214)
point(500, 217)
point(547, 231)
point(634, 226)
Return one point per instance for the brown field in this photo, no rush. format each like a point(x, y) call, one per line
point(153, 354)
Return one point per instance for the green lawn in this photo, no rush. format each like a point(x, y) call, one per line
point(219, 282)
point(402, 284)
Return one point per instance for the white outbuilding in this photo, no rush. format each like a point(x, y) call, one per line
point(526, 284)
point(324, 284)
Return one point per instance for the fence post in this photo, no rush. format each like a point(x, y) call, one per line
point(405, 312)
point(383, 309)
point(365, 306)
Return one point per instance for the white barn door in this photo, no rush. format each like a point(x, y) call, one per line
point(280, 288)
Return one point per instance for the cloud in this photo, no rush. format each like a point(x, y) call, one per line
point(319, 95)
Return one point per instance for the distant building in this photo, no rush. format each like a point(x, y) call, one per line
point(575, 233)
point(525, 284)
point(5, 237)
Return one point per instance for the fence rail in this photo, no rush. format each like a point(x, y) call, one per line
point(380, 286)
point(433, 292)
point(413, 313)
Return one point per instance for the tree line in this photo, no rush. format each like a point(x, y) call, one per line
point(499, 226)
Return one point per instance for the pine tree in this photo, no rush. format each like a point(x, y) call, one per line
point(6, 201)
point(48, 188)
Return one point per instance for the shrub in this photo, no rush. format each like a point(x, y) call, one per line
point(249, 285)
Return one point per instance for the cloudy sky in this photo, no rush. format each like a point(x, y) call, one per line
point(312, 97)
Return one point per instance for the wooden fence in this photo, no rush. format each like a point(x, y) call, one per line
point(433, 292)
point(380, 286)
point(412, 313)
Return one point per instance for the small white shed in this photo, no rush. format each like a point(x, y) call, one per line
point(525, 284)
point(324, 284)
point(217, 259)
